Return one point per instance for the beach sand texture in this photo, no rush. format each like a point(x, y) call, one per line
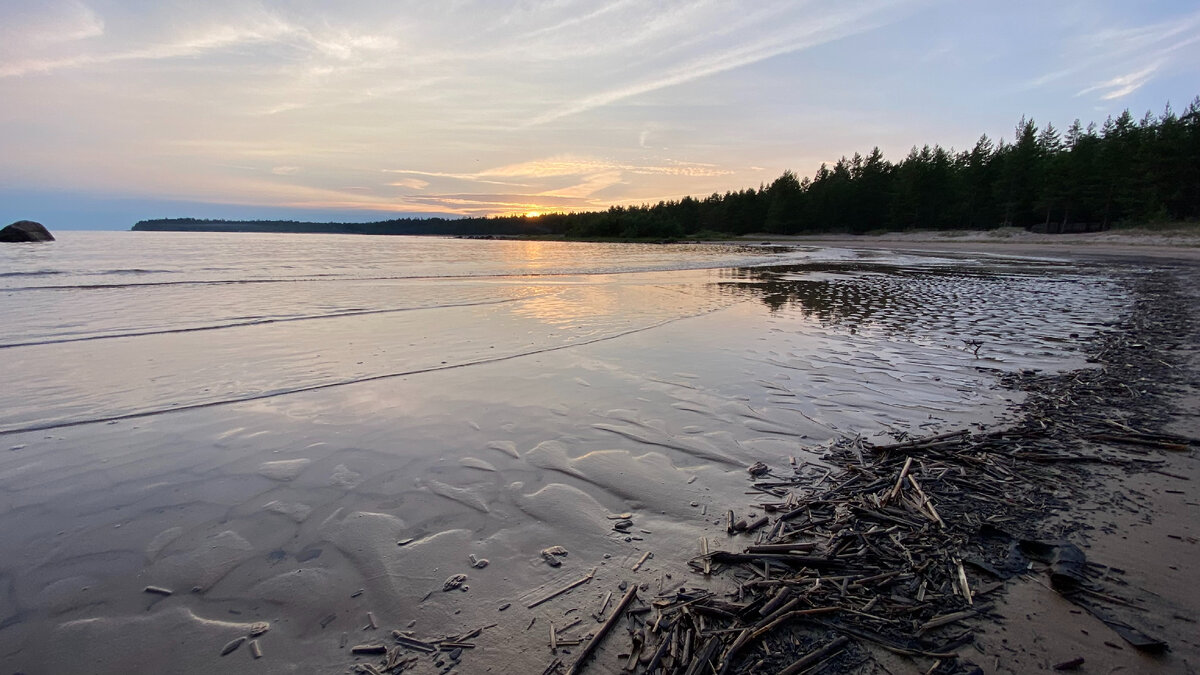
point(323, 453)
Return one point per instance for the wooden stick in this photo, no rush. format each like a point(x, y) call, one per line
point(781, 596)
point(578, 582)
point(1169, 443)
point(753, 631)
point(642, 560)
point(918, 442)
point(757, 523)
point(926, 502)
point(603, 606)
point(781, 548)
point(805, 661)
point(938, 621)
point(899, 481)
point(962, 580)
point(418, 645)
point(659, 653)
point(700, 664)
point(793, 559)
point(590, 647)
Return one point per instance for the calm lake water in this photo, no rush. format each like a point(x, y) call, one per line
point(100, 325)
point(106, 325)
point(256, 421)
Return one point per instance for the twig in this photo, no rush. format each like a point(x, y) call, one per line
point(578, 582)
point(590, 647)
point(900, 480)
point(802, 663)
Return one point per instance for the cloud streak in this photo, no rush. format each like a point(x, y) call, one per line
point(1138, 53)
point(267, 30)
point(808, 33)
point(1123, 85)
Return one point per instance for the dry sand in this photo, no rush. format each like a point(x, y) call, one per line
point(311, 510)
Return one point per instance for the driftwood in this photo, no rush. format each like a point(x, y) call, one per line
point(799, 665)
point(607, 626)
point(578, 582)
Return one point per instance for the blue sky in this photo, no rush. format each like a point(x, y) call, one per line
point(121, 110)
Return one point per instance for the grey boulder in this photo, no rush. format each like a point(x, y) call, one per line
point(25, 230)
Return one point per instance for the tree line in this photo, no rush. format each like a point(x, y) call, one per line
point(1125, 170)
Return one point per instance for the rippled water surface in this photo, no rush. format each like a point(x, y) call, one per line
point(102, 325)
point(107, 325)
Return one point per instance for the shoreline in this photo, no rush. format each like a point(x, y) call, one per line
point(1141, 526)
point(1182, 244)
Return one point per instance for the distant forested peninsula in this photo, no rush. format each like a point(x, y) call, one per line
point(507, 225)
point(1088, 177)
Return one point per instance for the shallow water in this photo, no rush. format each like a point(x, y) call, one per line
point(104, 325)
point(255, 421)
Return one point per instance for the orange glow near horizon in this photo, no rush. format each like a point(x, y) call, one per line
point(532, 214)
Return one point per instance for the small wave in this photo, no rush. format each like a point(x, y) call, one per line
point(149, 284)
point(241, 322)
point(336, 277)
point(134, 270)
point(38, 273)
point(175, 408)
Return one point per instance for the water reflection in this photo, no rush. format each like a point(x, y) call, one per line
point(850, 293)
point(1025, 307)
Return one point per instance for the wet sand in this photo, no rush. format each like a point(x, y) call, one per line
point(1180, 244)
point(312, 509)
point(1143, 526)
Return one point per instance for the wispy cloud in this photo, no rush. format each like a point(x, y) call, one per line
point(587, 188)
point(1124, 40)
point(568, 165)
point(543, 180)
point(47, 23)
point(410, 183)
point(814, 30)
point(1123, 85)
point(1139, 53)
point(267, 29)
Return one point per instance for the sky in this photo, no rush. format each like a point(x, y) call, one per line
point(119, 110)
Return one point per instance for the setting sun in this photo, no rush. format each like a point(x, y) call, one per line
point(532, 214)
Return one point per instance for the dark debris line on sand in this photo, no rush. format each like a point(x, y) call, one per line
point(902, 547)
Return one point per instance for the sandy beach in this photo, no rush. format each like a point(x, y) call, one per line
point(151, 541)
